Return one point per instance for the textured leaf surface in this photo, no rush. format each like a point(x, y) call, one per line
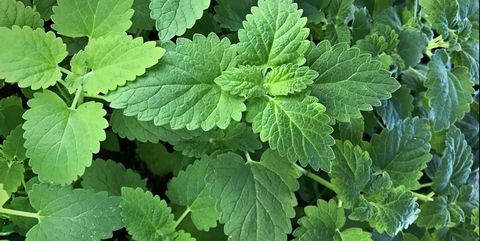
point(16, 13)
point(349, 82)
point(30, 57)
point(441, 14)
point(59, 140)
point(92, 18)
point(127, 59)
point(288, 79)
point(449, 91)
point(297, 128)
point(111, 176)
point(397, 108)
point(231, 14)
point(244, 81)
point(11, 175)
point(13, 145)
point(11, 111)
point(412, 44)
point(434, 214)
point(173, 17)
point(256, 199)
point(468, 56)
point(181, 91)
point(403, 151)
point(274, 34)
point(77, 214)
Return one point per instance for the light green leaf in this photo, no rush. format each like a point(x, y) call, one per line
point(297, 128)
point(16, 13)
point(338, 33)
point(3, 195)
point(244, 81)
point(350, 172)
point(92, 18)
point(30, 57)
point(354, 234)
point(73, 214)
point(231, 14)
point(173, 17)
point(442, 15)
point(454, 166)
point(256, 199)
point(274, 34)
point(349, 82)
point(288, 79)
point(191, 189)
point(13, 145)
point(180, 90)
point(399, 107)
point(403, 151)
point(111, 176)
point(11, 175)
point(59, 140)
point(475, 218)
point(127, 59)
point(449, 92)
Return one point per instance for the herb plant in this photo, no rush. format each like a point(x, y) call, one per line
point(239, 120)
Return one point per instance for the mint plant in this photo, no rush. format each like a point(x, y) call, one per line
point(266, 120)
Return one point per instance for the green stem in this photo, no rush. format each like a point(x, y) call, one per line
point(316, 178)
point(62, 93)
point(19, 213)
point(415, 10)
point(424, 185)
point(422, 197)
point(65, 71)
point(249, 159)
point(94, 96)
point(77, 97)
point(184, 214)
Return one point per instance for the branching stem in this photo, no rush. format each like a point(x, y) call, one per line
point(423, 198)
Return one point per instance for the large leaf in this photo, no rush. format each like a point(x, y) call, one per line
point(181, 91)
point(30, 57)
point(60, 141)
point(297, 128)
point(349, 82)
point(16, 13)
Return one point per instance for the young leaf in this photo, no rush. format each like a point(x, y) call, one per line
point(274, 34)
point(59, 140)
point(11, 175)
point(288, 79)
point(449, 91)
point(13, 145)
point(3, 195)
point(92, 18)
point(180, 91)
point(127, 59)
point(16, 13)
point(11, 111)
point(73, 214)
point(349, 82)
point(30, 57)
point(297, 128)
point(111, 176)
point(403, 151)
point(173, 17)
point(244, 81)
point(256, 199)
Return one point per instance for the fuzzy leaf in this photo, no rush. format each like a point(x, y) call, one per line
point(288, 79)
point(244, 81)
point(16, 13)
point(441, 14)
point(412, 44)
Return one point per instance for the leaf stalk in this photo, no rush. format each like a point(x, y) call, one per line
point(19, 213)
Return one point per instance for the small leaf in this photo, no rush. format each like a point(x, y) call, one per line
point(11, 111)
point(13, 145)
point(244, 81)
point(11, 175)
point(288, 79)
point(412, 44)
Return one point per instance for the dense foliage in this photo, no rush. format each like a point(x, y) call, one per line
point(239, 120)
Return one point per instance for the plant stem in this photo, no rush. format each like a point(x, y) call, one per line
point(94, 96)
point(77, 97)
point(316, 178)
point(65, 71)
point(424, 185)
point(184, 214)
point(249, 159)
point(19, 213)
point(62, 93)
point(422, 197)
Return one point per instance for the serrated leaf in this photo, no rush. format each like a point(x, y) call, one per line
point(354, 234)
point(180, 90)
point(173, 17)
point(288, 79)
point(92, 18)
point(351, 131)
point(475, 218)
point(350, 172)
point(256, 199)
point(30, 57)
point(13, 145)
point(231, 14)
point(297, 128)
point(16, 13)
point(111, 176)
point(94, 215)
point(449, 92)
point(441, 14)
point(60, 141)
point(434, 214)
point(397, 108)
point(3, 196)
point(468, 56)
point(127, 59)
point(470, 127)
point(244, 81)
point(44, 7)
point(412, 44)
point(454, 166)
point(11, 175)
point(141, 17)
point(345, 70)
point(338, 33)
point(274, 34)
point(191, 189)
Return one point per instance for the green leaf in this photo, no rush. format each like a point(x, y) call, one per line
point(127, 59)
point(412, 44)
point(111, 176)
point(468, 56)
point(288, 79)
point(434, 214)
point(244, 81)
point(180, 91)
point(349, 82)
point(351, 131)
point(59, 140)
point(3, 196)
point(454, 166)
point(274, 34)
point(23, 224)
point(256, 199)
point(297, 128)
point(338, 33)
point(350, 172)
point(16, 13)
point(160, 161)
point(13, 145)
point(191, 189)
point(338, 10)
point(94, 215)
point(354, 234)
point(449, 92)
point(92, 18)
point(174, 17)
point(403, 151)
point(441, 14)
point(146, 217)
point(11, 175)
point(399, 107)
point(44, 7)
point(30, 57)
point(475, 218)
point(141, 17)
point(231, 14)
